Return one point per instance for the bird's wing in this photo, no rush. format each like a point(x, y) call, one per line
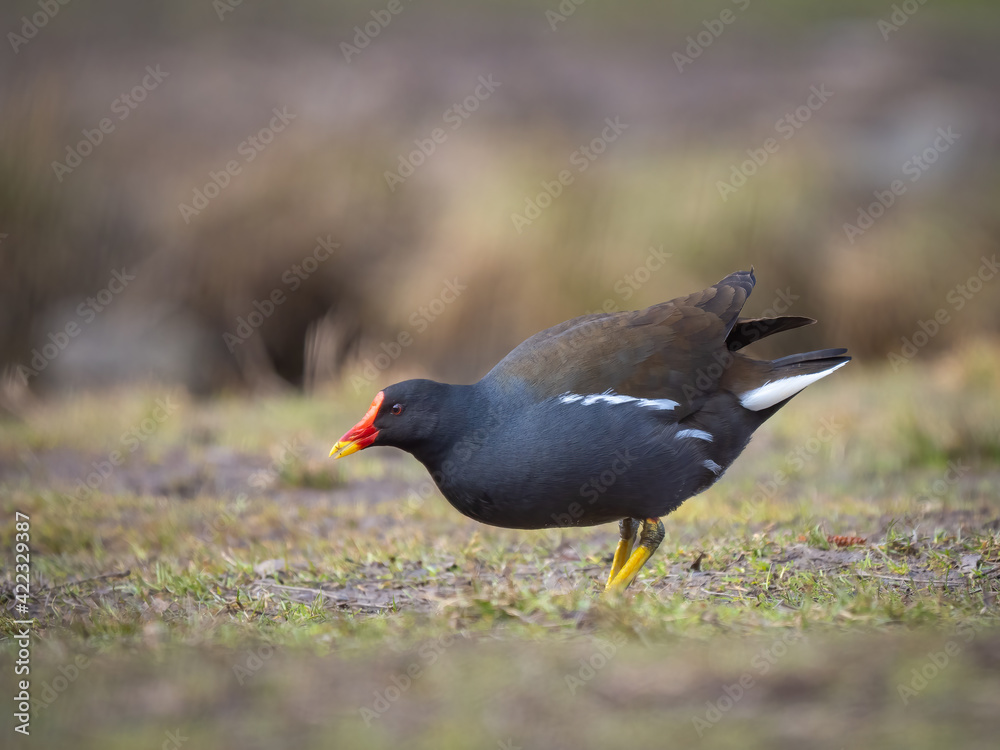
point(674, 350)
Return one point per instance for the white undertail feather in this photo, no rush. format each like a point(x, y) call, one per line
point(775, 391)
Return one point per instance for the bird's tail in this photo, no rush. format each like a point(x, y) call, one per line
point(748, 330)
point(782, 378)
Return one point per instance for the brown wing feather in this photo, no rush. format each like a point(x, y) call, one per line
point(651, 353)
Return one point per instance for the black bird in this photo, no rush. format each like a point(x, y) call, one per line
point(607, 417)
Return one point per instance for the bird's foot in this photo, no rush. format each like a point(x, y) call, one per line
point(649, 539)
point(627, 529)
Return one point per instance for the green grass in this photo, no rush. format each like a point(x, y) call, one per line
point(252, 592)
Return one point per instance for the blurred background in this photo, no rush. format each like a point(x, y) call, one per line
point(235, 196)
point(225, 224)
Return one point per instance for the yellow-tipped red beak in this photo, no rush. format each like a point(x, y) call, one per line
point(362, 434)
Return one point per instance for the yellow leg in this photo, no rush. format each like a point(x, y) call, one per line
point(649, 540)
point(627, 529)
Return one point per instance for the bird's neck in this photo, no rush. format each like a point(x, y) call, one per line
point(464, 419)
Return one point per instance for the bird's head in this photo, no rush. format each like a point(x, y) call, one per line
point(402, 415)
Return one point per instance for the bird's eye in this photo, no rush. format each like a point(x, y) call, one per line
point(397, 409)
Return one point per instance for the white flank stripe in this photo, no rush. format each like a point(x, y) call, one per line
point(608, 398)
point(699, 434)
point(658, 403)
point(774, 391)
point(617, 398)
point(711, 466)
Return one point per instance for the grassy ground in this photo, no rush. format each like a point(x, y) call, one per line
point(227, 585)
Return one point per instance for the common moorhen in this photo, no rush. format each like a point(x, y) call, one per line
point(607, 417)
